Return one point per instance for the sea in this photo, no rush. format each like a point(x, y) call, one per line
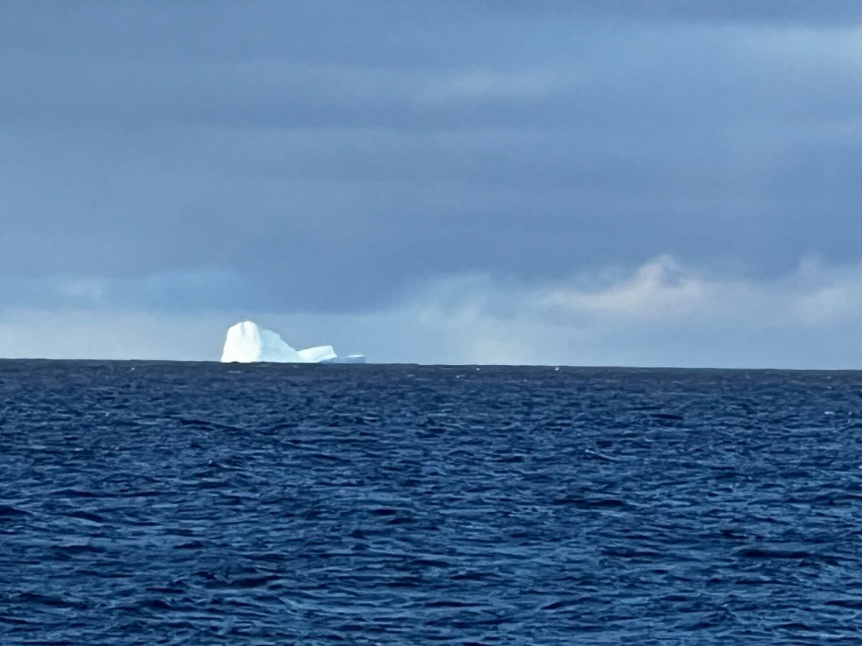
point(204, 503)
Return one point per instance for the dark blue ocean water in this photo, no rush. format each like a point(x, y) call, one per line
point(170, 503)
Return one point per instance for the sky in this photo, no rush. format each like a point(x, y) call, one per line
point(603, 182)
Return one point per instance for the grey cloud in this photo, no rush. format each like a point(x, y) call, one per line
point(770, 12)
point(336, 156)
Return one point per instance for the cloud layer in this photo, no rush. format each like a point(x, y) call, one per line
point(661, 314)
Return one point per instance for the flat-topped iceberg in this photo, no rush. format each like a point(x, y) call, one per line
point(246, 342)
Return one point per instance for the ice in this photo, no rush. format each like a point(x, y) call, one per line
point(318, 354)
point(246, 342)
point(350, 358)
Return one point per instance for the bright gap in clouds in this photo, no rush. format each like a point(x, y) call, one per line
point(662, 313)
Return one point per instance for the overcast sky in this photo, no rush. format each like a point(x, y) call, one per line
point(606, 182)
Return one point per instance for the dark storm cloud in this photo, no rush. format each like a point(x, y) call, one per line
point(329, 155)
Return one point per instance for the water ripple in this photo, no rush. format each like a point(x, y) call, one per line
point(205, 504)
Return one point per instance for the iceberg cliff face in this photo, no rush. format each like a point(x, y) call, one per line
point(246, 342)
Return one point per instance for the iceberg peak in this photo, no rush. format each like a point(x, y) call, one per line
point(247, 342)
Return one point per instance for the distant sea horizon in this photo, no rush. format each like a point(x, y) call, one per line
point(443, 365)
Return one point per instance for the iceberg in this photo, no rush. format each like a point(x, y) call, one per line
point(247, 342)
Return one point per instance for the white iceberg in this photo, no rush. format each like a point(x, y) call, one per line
point(246, 342)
